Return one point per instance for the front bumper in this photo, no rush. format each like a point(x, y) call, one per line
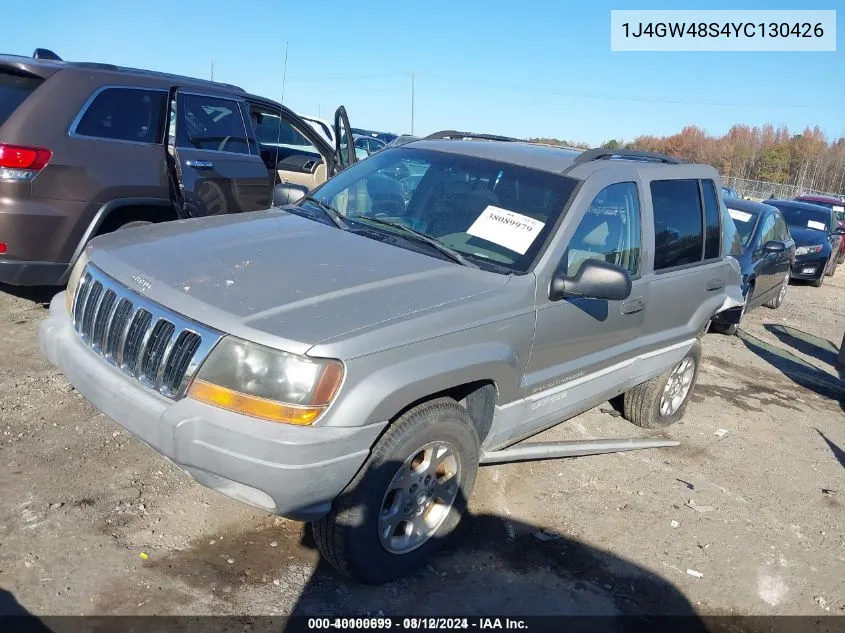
point(809, 267)
point(295, 472)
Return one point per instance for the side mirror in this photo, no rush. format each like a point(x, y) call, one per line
point(595, 279)
point(774, 246)
point(287, 193)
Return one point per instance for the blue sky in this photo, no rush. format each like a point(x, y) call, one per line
point(540, 68)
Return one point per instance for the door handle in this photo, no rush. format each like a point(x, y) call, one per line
point(200, 164)
point(714, 284)
point(632, 306)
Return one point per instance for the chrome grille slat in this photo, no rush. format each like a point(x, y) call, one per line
point(149, 359)
point(135, 338)
point(102, 315)
point(159, 348)
point(116, 328)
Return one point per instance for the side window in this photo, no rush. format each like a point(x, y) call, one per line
point(278, 139)
point(609, 230)
point(125, 114)
point(781, 232)
point(678, 230)
point(767, 231)
point(211, 123)
point(713, 230)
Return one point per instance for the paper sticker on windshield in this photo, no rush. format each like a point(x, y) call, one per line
point(837, 207)
point(816, 225)
point(514, 231)
point(739, 216)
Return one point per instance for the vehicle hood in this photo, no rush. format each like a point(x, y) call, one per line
point(807, 237)
point(281, 279)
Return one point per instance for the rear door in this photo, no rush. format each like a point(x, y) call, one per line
point(344, 142)
point(217, 168)
point(691, 278)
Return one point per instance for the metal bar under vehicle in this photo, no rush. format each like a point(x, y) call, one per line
point(578, 448)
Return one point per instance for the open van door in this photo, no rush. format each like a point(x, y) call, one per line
point(344, 143)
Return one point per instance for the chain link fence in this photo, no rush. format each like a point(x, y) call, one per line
point(762, 190)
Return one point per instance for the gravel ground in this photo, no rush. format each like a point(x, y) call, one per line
point(93, 522)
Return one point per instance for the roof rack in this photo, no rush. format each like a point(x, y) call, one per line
point(606, 154)
point(454, 134)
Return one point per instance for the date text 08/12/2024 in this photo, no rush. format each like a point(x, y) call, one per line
point(416, 624)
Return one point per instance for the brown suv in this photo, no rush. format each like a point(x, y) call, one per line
point(89, 148)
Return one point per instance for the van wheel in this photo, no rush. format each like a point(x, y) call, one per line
point(132, 225)
point(407, 499)
point(662, 400)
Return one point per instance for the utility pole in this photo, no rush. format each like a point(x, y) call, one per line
point(319, 116)
point(412, 102)
point(212, 70)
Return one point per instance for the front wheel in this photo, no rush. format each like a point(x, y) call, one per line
point(407, 499)
point(662, 400)
point(777, 300)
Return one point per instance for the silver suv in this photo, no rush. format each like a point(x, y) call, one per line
point(350, 359)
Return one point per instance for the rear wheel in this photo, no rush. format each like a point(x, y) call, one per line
point(408, 497)
point(662, 400)
point(777, 301)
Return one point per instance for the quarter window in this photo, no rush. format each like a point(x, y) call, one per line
point(211, 123)
point(609, 230)
point(124, 114)
point(678, 226)
point(712, 213)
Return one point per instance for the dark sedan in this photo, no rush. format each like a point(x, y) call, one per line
point(838, 206)
point(817, 236)
point(768, 252)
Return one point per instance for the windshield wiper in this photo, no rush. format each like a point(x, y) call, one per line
point(451, 253)
point(333, 214)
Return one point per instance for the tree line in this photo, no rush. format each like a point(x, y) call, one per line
point(807, 160)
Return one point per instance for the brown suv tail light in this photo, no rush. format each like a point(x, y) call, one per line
point(22, 163)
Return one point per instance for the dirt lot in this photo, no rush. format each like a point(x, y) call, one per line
point(80, 501)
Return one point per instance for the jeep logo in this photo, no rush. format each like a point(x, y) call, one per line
point(145, 284)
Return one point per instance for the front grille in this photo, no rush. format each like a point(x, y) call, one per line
point(144, 340)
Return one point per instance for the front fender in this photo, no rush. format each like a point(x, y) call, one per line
point(378, 387)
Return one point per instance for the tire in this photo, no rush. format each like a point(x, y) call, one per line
point(777, 301)
point(833, 263)
point(642, 404)
point(351, 537)
point(132, 225)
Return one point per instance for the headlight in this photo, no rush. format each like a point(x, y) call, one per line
point(808, 250)
point(266, 383)
point(73, 280)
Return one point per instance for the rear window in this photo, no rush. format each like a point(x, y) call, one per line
point(14, 89)
point(123, 114)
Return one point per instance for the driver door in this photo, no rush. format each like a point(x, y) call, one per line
point(344, 142)
point(218, 171)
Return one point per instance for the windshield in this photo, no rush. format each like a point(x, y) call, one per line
point(806, 218)
point(490, 212)
point(745, 222)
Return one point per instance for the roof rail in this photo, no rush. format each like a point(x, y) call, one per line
point(605, 154)
point(45, 53)
point(454, 134)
